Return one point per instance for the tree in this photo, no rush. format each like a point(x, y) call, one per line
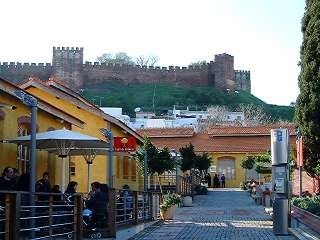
point(198, 63)
point(149, 60)
point(158, 160)
point(188, 157)
point(118, 58)
point(253, 115)
point(202, 163)
point(307, 113)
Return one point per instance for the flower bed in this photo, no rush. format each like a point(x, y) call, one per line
point(307, 211)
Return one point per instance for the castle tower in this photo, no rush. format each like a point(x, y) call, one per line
point(67, 65)
point(221, 72)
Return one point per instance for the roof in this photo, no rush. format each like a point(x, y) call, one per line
point(263, 130)
point(203, 142)
point(56, 88)
point(10, 88)
point(166, 132)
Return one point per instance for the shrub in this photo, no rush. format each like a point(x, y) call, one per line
point(310, 204)
point(170, 200)
point(201, 190)
point(243, 186)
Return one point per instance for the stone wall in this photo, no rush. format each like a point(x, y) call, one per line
point(67, 66)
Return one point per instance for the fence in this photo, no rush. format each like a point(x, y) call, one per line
point(39, 216)
point(52, 216)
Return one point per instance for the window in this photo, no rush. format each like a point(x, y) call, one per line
point(23, 153)
point(226, 166)
point(125, 169)
point(72, 168)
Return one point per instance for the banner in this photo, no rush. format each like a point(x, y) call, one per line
point(299, 143)
point(124, 144)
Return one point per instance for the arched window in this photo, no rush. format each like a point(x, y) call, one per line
point(226, 166)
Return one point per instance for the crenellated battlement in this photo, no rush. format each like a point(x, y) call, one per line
point(18, 65)
point(68, 66)
point(125, 67)
point(242, 71)
point(68, 49)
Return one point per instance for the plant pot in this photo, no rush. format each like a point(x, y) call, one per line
point(169, 213)
point(187, 201)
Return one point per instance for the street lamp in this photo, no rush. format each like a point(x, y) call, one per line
point(177, 156)
point(32, 102)
point(109, 136)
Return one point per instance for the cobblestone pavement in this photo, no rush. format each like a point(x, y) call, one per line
point(225, 214)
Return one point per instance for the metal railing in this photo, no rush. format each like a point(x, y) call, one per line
point(40, 216)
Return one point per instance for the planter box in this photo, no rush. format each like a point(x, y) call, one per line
point(169, 213)
point(310, 220)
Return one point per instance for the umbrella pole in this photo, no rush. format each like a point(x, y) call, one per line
point(89, 177)
point(62, 174)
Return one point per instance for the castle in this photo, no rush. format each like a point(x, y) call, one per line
point(67, 66)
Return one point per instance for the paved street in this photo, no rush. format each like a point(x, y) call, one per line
point(225, 214)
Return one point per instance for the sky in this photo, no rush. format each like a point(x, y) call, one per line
point(264, 36)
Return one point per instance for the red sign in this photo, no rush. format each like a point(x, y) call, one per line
point(299, 143)
point(124, 144)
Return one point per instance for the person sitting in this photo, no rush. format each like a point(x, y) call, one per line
point(43, 185)
point(70, 191)
point(7, 181)
point(98, 205)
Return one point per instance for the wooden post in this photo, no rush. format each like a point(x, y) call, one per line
point(12, 211)
point(78, 217)
point(135, 207)
point(112, 212)
point(50, 216)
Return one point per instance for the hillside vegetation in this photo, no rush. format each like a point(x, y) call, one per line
point(196, 97)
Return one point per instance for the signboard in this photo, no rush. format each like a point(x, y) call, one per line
point(124, 144)
point(213, 168)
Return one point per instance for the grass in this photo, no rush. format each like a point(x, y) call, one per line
point(196, 97)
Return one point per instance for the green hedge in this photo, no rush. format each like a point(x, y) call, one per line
point(310, 204)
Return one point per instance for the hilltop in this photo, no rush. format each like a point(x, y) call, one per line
point(196, 97)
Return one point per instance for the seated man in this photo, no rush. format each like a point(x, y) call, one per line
point(98, 205)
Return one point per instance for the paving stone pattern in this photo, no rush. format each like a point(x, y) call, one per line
point(225, 214)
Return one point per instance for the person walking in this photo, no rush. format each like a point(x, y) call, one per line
point(223, 181)
point(218, 181)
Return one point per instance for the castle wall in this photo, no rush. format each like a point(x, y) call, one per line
point(18, 72)
point(100, 73)
point(67, 66)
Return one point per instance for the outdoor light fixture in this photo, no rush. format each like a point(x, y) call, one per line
point(32, 102)
point(4, 105)
point(109, 137)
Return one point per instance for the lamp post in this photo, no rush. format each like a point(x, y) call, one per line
point(109, 136)
point(299, 145)
point(32, 102)
point(145, 171)
point(177, 158)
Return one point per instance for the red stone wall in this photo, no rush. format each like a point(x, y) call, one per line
point(308, 183)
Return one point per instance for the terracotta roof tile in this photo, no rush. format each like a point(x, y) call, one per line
point(166, 132)
point(202, 143)
point(256, 130)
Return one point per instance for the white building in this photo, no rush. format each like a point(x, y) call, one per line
point(117, 113)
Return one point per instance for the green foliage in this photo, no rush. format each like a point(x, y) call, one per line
point(243, 186)
point(310, 204)
point(159, 160)
point(200, 190)
point(198, 63)
point(308, 103)
point(170, 200)
point(188, 157)
point(196, 97)
point(248, 162)
point(202, 162)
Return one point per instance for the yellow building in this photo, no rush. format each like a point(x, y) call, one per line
point(65, 99)
point(227, 146)
point(15, 120)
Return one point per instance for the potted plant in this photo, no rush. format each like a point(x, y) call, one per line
point(168, 206)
